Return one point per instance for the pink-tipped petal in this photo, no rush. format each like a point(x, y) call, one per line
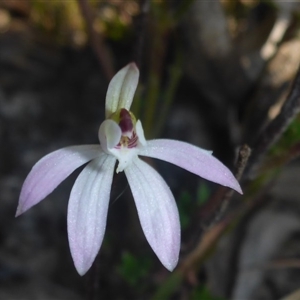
point(51, 170)
point(192, 158)
point(87, 211)
point(121, 89)
point(157, 211)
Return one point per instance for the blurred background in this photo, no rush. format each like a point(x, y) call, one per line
point(218, 74)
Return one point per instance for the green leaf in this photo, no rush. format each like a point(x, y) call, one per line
point(203, 194)
point(202, 292)
point(133, 268)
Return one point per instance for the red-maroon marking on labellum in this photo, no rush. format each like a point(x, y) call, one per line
point(125, 123)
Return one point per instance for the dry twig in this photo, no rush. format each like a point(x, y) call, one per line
point(276, 127)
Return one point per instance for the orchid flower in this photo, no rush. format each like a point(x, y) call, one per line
point(121, 138)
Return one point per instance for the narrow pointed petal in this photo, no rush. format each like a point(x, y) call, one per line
point(157, 211)
point(51, 170)
point(194, 159)
point(121, 89)
point(87, 211)
point(140, 133)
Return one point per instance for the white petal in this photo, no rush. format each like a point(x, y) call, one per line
point(140, 132)
point(51, 170)
point(121, 89)
point(193, 159)
point(157, 211)
point(109, 135)
point(87, 211)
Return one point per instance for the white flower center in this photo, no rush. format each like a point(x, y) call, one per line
point(122, 136)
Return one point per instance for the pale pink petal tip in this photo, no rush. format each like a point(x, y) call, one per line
point(157, 211)
point(193, 159)
point(51, 170)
